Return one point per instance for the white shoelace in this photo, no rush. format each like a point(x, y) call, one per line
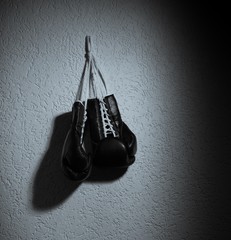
point(83, 125)
point(79, 97)
point(107, 125)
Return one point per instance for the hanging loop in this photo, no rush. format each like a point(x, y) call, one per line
point(91, 80)
point(87, 47)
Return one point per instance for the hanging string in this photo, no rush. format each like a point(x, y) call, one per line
point(90, 68)
point(79, 95)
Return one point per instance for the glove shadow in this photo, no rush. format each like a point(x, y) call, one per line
point(100, 174)
point(50, 186)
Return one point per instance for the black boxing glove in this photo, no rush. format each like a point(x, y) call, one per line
point(114, 144)
point(76, 162)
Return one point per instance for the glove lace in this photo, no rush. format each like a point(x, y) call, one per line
point(83, 126)
point(107, 125)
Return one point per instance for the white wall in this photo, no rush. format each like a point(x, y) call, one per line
point(154, 59)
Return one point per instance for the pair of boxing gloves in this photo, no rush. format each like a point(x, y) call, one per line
point(113, 144)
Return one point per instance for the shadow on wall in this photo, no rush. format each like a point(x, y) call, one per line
point(51, 187)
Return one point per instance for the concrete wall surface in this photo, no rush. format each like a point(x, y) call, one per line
point(166, 63)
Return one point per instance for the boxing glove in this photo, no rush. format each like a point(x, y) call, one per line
point(76, 162)
point(114, 144)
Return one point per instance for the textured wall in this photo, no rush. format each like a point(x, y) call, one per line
point(160, 65)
